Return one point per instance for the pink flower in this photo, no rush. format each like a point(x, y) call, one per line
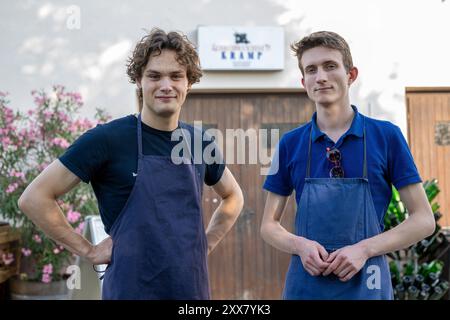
point(48, 268)
point(47, 114)
point(37, 238)
point(7, 258)
point(56, 251)
point(76, 97)
point(87, 124)
point(42, 166)
point(26, 252)
point(73, 128)
point(40, 101)
point(46, 278)
point(17, 174)
point(6, 141)
point(80, 228)
point(12, 187)
point(73, 216)
point(61, 142)
point(63, 116)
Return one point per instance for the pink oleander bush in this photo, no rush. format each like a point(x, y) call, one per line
point(28, 143)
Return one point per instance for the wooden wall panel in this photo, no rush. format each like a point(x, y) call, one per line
point(425, 109)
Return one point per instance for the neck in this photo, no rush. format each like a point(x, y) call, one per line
point(334, 118)
point(157, 122)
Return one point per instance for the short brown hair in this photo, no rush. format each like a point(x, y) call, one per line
point(326, 39)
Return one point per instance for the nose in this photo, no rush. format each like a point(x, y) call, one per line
point(166, 85)
point(321, 76)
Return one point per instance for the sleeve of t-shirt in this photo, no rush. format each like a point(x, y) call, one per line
point(401, 166)
point(87, 154)
point(279, 179)
point(215, 163)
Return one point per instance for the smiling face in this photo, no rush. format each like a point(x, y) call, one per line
point(164, 85)
point(325, 78)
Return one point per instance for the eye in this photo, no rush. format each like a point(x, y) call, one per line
point(153, 76)
point(331, 66)
point(177, 76)
point(310, 70)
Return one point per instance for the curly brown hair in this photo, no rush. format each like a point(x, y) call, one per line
point(153, 43)
point(326, 39)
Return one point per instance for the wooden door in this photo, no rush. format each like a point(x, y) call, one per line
point(428, 112)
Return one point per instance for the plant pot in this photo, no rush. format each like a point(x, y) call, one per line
point(31, 290)
point(9, 243)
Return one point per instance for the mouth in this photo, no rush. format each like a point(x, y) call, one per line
point(323, 89)
point(165, 98)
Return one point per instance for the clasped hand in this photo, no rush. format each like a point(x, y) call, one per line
point(344, 262)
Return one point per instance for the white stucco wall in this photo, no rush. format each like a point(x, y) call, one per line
point(394, 44)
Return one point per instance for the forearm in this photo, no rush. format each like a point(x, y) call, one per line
point(415, 228)
point(277, 236)
point(47, 215)
point(222, 220)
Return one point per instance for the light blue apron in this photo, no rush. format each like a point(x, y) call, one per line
point(337, 212)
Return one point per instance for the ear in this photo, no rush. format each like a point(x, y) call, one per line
point(303, 82)
point(138, 82)
point(352, 75)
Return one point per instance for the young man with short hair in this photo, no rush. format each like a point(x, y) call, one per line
point(342, 165)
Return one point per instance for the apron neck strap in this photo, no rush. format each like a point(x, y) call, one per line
point(186, 141)
point(139, 136)
point(365, 152)
point(308, 166)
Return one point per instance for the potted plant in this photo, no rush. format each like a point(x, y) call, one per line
point(28, 143)
point(416, 272)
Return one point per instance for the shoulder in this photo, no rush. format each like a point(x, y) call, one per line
point(117, 129)
point(126, 122)
point(191, 129)
point(380, 126)
point(294, 136)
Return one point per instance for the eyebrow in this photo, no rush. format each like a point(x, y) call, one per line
point(158, 72)
point(325, 62)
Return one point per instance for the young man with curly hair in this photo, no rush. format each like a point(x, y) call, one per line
point(151, 206)
point(342, 166)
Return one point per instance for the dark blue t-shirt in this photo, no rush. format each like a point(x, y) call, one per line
point(389, 160)
point(106, 156)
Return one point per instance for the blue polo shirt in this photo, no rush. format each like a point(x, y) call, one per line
point(389, 160)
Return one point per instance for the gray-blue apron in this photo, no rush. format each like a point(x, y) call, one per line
point(159, 243)
point(337, 212)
